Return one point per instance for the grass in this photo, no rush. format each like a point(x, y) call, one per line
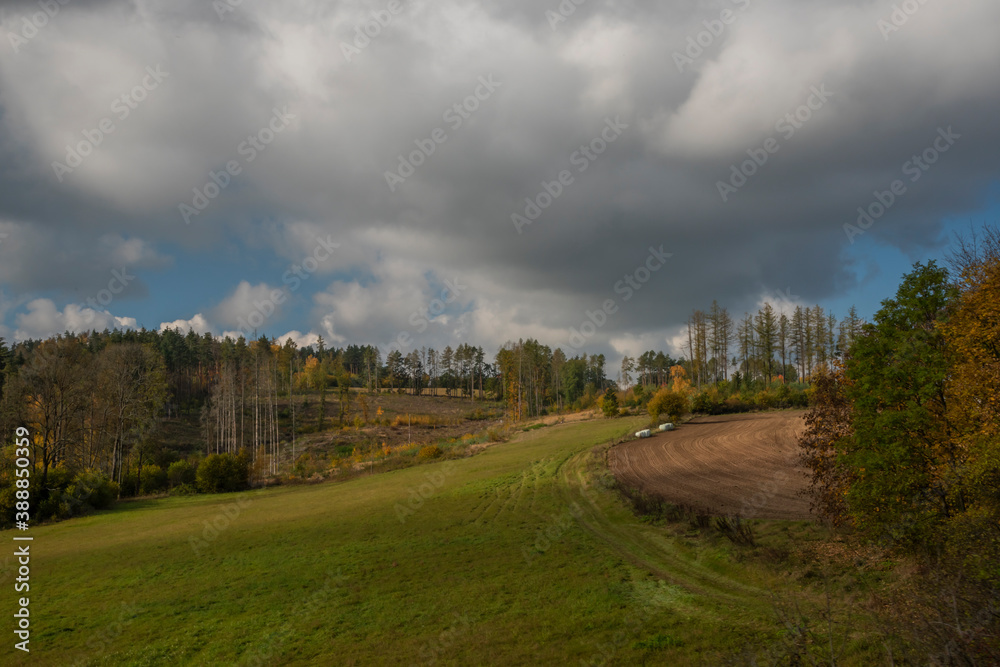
point(516, 556)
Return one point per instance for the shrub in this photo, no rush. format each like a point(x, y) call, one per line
point(800, 399)
point(93, 489)
point(667, 402)
point(764, 400)
point(707, 402)
point(56, 507)
point(429, 452)
point(496, 435)
point(154, 479)
point(609, 403)
point(180, 472)
point(58, 478)
point(735, 404)
point(643, 504)
point(220, 473)
point(736, 529)
point(67, 496)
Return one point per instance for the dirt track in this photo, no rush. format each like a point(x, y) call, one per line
point(743, 464)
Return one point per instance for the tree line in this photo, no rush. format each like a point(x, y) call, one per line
point(95, 400)
point(903, 444)
point(762, 347)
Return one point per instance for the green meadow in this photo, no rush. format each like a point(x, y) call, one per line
point(520, 555)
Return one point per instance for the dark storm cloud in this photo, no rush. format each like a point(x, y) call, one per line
point(360, 102)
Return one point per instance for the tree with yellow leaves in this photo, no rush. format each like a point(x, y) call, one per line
point(678, 380)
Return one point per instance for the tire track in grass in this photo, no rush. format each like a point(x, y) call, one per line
point(486, 501)
point(644, 549)
point(537, 481)
point(527, 491)
point(510, 504)
point(503, 499)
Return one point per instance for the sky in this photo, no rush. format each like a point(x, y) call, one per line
point(413, 174)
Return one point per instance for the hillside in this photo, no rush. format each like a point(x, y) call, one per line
point(518, 555)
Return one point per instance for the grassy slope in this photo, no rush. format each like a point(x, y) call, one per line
point(328, 574)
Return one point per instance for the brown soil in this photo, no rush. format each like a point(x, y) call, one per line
point(732, 464)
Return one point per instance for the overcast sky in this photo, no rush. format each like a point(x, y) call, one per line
point(370, 171)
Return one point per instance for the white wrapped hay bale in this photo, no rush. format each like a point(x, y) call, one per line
point(643, 434)
point(666, 427)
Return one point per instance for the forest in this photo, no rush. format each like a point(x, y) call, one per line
point(96, 403)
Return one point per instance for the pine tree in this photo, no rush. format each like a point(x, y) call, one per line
point(765, 327)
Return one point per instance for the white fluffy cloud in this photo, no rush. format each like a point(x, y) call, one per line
point(634, 345)
point(300, 339)
point(43, 320)
point(198, 324)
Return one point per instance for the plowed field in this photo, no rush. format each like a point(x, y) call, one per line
point(732, 464)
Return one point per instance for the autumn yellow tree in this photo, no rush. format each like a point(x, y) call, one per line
point(972, 332)
point(679, 381)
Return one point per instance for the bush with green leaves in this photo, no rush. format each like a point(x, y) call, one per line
point(707, 402)
point(609, 403)
point(153, 480)
point(181, 472)
point(93, 489)
point(66, 495)
point(221, 473)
